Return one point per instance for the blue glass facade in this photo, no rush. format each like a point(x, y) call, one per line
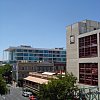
point(36, 54)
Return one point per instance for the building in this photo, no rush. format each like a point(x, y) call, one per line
point(21, 69)
point(83, 52)
point(34, 80)
point(27, 53)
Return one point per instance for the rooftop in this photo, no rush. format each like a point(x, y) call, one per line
point(11, 48)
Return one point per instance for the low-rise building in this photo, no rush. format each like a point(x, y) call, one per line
point(21, 69)
point(34, 80)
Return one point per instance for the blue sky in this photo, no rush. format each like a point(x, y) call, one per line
point(42, 23)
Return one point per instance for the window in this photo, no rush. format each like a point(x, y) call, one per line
point(46, 51)
point(40, 51)
point(25, 54)
point(88, 46)
point(25, 50)
point(50, 55)
point(29, 50)
point(62, 52)
point(50, 51)
point(88, 73)
point(31, 58)
point(19, 54)
point(19, 58)
point(22, 68)
point(72, 39)
point(30, 54)
point(25, 58)
point(19, 50)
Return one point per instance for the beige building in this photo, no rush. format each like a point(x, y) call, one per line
point(22, 69)
point(83, 52)
point(34, 80)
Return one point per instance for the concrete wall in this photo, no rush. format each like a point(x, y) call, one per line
point(72, 52)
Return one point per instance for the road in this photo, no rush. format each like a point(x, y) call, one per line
point(15, 94)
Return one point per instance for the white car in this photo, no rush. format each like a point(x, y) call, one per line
point(26, 94)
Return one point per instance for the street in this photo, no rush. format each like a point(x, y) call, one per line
point(15, 93)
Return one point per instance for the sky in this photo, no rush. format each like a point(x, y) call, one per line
point(42, 23)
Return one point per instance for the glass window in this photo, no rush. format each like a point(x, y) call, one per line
point(45, 55)
point(62, 52)
point(50, 55)
point(30, 54)
point(58, 59)
point(45, 59)
point(40, 51)
point(30, 50)
point(19, 58)
point(45, 51)
point(63, 55)
point(64, 59)
point(31, 58)
point(25, 50)
point(19, 50)
point(25, 54)
point(25, 58)
point(19, 54)
point(50, 51)
point(36, 51)
point(36, 58)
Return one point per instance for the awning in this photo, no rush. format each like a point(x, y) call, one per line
point(36, 80)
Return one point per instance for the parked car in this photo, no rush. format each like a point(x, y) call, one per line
point(26, 93)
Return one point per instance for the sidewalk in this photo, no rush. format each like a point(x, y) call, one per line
point(2, 97)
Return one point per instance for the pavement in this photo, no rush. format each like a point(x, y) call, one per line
point(15, 93)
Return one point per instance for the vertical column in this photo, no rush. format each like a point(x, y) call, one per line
point(98, 50)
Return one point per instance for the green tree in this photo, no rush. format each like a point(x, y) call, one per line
point(6, 68)
point(59, 89)
point(5, 71)
point(3, 87)
point(5, 74)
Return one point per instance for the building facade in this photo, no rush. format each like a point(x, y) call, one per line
point(83, 52)
point(21, 69)
point(29, 54)
point(34, 80)
point(36, 54)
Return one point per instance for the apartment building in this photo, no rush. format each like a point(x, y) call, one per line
point(83, 52)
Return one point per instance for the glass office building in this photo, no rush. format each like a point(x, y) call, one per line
point(27, 53)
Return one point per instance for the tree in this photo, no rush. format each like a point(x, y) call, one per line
point(5, 71)
point(59, 89)
point(3, 87)
point(5, 74)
